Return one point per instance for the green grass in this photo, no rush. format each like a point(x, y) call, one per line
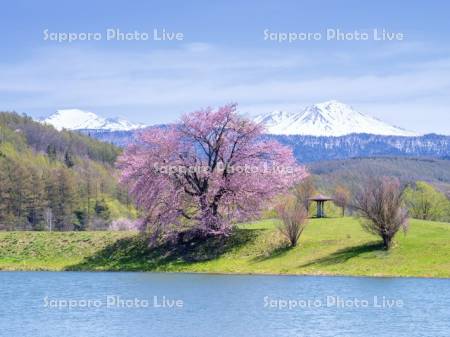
point(333, 246)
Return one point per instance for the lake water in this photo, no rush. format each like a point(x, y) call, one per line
point(152, 304)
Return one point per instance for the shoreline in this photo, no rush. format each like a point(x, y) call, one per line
point(227, 273)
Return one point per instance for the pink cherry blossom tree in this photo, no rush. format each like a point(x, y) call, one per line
point(207, 172)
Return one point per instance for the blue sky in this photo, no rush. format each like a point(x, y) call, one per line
point(224, 58)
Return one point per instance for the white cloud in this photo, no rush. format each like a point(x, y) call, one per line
point(159, 84)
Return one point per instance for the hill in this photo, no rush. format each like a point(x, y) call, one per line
point(22, 131)
point(352, 172)
point(328, 247)
point(309, 149)
point(58, 180)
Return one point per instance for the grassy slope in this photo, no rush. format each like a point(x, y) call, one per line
point(328, 246)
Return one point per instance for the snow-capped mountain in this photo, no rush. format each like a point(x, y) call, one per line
point(76, 119)
point(331, 118)
point(273, 119)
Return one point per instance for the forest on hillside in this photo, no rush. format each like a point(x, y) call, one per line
point(353, 172)
point(56, 180)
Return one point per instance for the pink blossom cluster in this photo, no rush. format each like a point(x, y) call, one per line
point(212, 199)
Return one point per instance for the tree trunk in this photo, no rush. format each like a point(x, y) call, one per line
point(387, 242)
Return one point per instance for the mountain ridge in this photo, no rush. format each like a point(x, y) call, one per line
point(312, 148)
point(308, 149)
point(77, 119)
point(330, 118)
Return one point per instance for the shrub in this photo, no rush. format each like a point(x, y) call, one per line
point(425, 202)
point(380, 204)
point(293, 217)
point(126, 225)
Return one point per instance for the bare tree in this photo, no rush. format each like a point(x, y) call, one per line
point(48, 216)
point(304, 191)
point(380, 204)
point(293, 218)
point(341, 198)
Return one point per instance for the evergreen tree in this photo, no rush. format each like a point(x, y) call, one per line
point(68, 159)
point(51, 152)
point(102, 210)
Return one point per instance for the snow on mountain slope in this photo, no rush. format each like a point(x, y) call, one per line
point(75, 119)
point(276, 120)
point(331, 118)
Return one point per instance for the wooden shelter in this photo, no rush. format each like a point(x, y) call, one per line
point(320, 200)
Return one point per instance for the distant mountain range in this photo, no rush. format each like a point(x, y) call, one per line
point(331, 118)
point(324, 131)
point(309, 149)
point(313, 149)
